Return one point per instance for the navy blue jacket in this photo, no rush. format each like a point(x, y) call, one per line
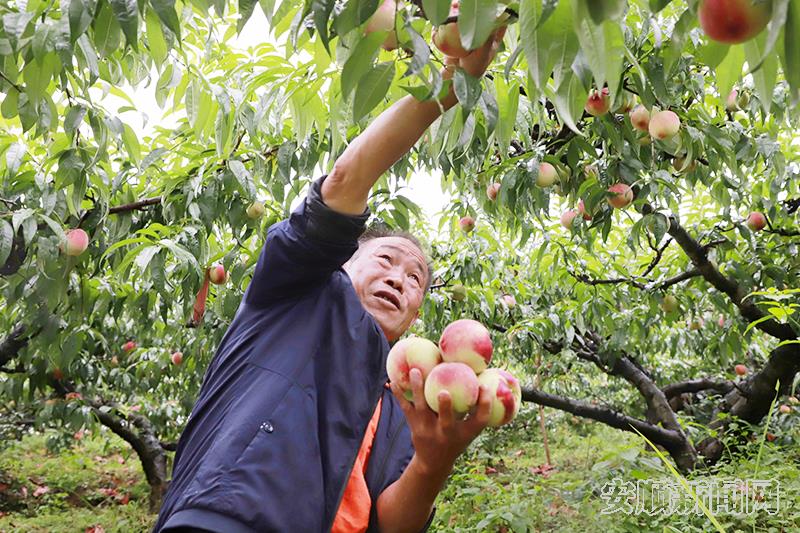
point(287, 397)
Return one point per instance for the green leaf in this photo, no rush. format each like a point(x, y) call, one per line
point(437, 11)
point(107, 32)
point(766, 76)
point(476, 21)
point(127, 15)
point(155, 37)
point(569, 102)
point(14, 156)
point(243, 176)
point(165, 9)
point(322, 11)
point(246, 8)
point(268, 7)
point(79, 19)
point(371, 89)
point(600, 10)
point(658, 5)
point(360, 61)
point(131, 141)
point(730, 70)
point(467, 88)
point(791, 46)
point(74, 118)
point(551, 47)
point(6, 241)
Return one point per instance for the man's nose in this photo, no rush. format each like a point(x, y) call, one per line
point(395, 280)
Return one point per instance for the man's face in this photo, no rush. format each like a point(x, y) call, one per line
point(389, 275)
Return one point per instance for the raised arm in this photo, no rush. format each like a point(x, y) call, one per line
point(391, 135)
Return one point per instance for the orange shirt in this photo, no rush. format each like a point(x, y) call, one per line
point(353, 513)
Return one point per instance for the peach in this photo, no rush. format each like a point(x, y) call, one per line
point(640, 118)
point(583, 212)
point(664, 125)
point(459, 292)
point(129, 346)
point(217, 275)
point(506, 395)
point(733, 21)
point(467, 224)
point(457, 379)
point(447, 37)
point(568, 218)
point(467, 341)
point(732, 102)
point(383, 20)
point(628, 103)
point(680, 164)
point(509, 300)
point(740, 370)
point(669, 303)
point(76, 243)
point(793, 400)
point(408, 353)
point(255, 210)
point(492, 191)
point(621, 195)
point(176, 358)
point(756, 221)
point(547, 175)
point(598, 102)
point(785, 409)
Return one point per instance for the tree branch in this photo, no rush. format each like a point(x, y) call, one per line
point(693, 386)
point(693, 273)
point(615, 419)
point(697, 254)
point(141, 204)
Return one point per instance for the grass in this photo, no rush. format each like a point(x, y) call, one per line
point(500, 485)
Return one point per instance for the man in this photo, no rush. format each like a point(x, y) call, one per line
point(294, 429)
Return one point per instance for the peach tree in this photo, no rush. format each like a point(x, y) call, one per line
point(125, 246)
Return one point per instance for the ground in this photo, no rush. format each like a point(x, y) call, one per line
point(502, 485)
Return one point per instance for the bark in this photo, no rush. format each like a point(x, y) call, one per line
point(13, 343)
point(137, 431)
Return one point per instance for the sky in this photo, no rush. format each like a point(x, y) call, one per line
point(423, 189)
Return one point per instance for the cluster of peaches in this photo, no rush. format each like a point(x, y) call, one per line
point(458, 365)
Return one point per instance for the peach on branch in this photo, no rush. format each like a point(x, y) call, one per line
point(467, 341)
point(568, 218)
point(621, 195)
point(740, 370)
point(408, 353)
point(467, 224)
point(793, 400)
point(547, 175)
point(458, 293)
point(785, 409)
point(628, 103)
point(640, 118)
point(459, 380)
point(217, 274)
point(129, 346)
point(680, 164)
point(733, 21)
point(669, 303)
point(77, 241)
point(664, 125)
point(383, 20)
point(255, 210)
point(492, 190)
point(447, 37)
point(506, 394)
point(756, 221)
point(582, 210)
point(732, 102)
point(598, 103)
point(176, 358)
point(509, 301)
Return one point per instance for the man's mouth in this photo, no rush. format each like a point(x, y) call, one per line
point(389, 297)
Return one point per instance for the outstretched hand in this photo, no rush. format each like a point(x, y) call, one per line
point(476, 63)
point(439, 439)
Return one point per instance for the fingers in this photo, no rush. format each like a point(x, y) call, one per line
point(480, 418)
point(446, 415)
point(417, 390)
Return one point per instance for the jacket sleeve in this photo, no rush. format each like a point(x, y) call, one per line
point(301, 252)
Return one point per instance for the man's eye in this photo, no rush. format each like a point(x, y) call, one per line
point(386, 257)
point(415, 277)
